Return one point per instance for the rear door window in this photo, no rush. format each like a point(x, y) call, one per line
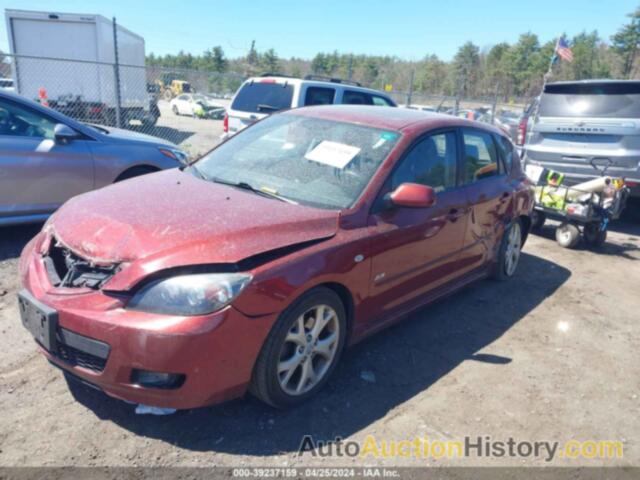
point(351, 97)
point(319, 96)
point(263, 97)
point(381, 101)
point(480, 156)
point(602, 99)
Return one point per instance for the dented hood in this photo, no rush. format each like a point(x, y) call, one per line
point(172, 218)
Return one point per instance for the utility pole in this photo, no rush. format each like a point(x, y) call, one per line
point(410, 93)
point(350, 71)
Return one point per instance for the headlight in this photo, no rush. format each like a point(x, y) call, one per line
point(196, 294)
point(176, 154)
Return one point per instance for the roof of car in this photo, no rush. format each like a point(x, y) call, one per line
point(336, 82)
point(384, 117)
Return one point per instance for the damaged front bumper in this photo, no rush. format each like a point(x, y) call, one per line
point(99, 341)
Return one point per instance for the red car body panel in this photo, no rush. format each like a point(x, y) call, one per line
point(383, 264)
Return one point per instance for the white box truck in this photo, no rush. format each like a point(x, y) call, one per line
point(70, 58)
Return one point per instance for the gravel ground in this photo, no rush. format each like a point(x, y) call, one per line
point(195, 135)
point(550, 355)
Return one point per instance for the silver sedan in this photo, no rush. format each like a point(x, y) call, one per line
point(47, 158)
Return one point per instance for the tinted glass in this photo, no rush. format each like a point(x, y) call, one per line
point(506, 151)
point(260, 97)
point(613, 100)
point(311, 161)
point(319, 96)
point(23, 122)
point(381, 101)
point(431, 162)
point(480, 156)
point(350, 97)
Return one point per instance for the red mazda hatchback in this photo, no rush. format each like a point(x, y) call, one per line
point(253, 268)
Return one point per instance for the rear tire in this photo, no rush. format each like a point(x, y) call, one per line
point(509, 252)
point(594, 235)
point(296, 361)
point(567, 235)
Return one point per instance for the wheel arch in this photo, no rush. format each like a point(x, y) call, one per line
point(346, 297)
point(135, 170)
point(525, 220)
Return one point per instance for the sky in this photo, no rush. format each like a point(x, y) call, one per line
point(409, 29)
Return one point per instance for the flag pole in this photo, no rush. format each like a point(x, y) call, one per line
point(545, 78)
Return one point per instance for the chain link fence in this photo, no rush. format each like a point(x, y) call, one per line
point(185, 107)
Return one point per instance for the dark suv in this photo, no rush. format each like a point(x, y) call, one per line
point(588, 122)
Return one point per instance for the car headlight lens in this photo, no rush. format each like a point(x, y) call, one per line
point(176, 154)
point(196, 294)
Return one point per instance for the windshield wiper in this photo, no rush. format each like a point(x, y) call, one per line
point(264, 106)
point(250, 188)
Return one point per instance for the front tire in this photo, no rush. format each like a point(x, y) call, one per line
point(567, 235)
point(302, 350)
point(175, 110)
point(509, 252)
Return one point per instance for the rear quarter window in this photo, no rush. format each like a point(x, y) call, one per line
point(319, 96)
point(351, 97)
point(263, 97)
point(607, 100)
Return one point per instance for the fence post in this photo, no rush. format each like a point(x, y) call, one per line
point(116, 74)
point(410, 92)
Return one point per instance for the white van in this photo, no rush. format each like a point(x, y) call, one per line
point(262, 96)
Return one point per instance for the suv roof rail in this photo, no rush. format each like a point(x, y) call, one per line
point(323, 78)
point(270, 74)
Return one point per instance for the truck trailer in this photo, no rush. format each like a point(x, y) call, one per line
point(68, 60)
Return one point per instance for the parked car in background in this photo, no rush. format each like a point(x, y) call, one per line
point(7, 84)
point(197, 105)
point(262, 96)
point(324, 225)
point(508, 121)
point(47, 158)
point(424, 108)
point(586, 122)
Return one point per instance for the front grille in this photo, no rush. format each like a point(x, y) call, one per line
point(80, 351)
point(78, 358)
point(66, 269)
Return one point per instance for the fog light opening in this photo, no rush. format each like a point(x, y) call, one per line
point(148, 379)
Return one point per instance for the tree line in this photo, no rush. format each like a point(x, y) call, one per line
point(507, 70)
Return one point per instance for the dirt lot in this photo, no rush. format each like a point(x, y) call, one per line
point(551, 355)
point(194, 135)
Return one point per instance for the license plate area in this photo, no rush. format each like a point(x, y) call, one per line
point(39, 319)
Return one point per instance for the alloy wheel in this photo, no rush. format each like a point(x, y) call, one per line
point(308, 350)
point(512, 254)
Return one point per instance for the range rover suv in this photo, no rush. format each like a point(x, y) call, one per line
point(583, 123)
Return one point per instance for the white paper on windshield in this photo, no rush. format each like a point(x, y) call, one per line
point(334, 154)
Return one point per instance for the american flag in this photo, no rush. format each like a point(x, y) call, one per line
point(563, 50)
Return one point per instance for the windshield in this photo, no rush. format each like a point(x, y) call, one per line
point(263, 97)
point(608, 100)
point(311, 161)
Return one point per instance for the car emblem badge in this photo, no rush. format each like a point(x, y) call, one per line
point(358, 258)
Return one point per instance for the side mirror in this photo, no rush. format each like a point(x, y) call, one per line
point(64, 134)
point(413, 195)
